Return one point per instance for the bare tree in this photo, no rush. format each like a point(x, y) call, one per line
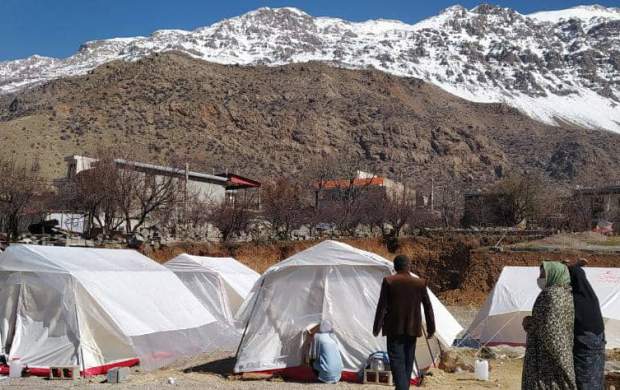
point(391, 211)
point(521, 197)
point(283, 206)
point(579, 211)
point(400, 209)
point(198, 209)
point(318, 174)
point(449, 202)
point(19, 188)
point(116, 192)
point(191, 215)
point(233, 217)
point(138, 194)
point(377, 212)
point(341, 195)
point(92, 192)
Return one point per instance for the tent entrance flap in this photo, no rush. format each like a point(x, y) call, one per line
point(45, 327)
point(9, 302)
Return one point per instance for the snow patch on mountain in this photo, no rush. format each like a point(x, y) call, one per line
point(582, 12)
point(556, 66)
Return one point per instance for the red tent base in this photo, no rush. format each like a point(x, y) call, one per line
point(306, 374)
point(101, 370)
point(91, 371)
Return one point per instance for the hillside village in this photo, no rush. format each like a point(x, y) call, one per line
point(102, 200)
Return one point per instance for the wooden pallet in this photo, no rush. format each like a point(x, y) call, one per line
point(378, 377)
point(64, 372)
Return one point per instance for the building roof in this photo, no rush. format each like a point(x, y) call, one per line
point(347, 183)
point(172, 170)
point(237, 181)
point(230, 180)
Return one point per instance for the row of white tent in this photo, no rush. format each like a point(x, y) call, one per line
point(102, 308)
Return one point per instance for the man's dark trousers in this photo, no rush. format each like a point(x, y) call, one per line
point(401, 350)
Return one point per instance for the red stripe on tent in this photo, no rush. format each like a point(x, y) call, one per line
point(162, 354)
point(92, 371)
point(100, 370)
point(38, 371)
point(306, 374)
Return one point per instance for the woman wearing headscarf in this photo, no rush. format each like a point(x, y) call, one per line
point(327, 362)
point(589, 346)
point(548, 363)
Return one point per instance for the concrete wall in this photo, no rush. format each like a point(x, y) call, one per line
point(206, 191)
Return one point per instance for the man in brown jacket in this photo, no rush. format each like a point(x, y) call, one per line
point(399, 316)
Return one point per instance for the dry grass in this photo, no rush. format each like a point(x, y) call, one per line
point(575, 241)
point(260, 256)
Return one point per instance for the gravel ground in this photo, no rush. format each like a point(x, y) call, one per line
point(208, 372)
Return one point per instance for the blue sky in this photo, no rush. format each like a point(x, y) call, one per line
point(57, 27)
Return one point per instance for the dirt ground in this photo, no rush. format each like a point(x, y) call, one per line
point(209, 372)
point(461, 269)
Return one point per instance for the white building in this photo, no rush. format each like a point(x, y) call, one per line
point(205, 186)
point(211, 188)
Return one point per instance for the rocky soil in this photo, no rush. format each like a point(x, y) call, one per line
point(272, 121)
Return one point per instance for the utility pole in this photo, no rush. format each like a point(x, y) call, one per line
point(185, 194)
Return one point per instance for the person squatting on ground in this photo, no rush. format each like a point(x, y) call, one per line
point(548, 362)
point(399, 317)
point(325, 355)
point(589, 332)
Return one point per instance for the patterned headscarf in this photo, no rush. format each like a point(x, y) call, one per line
point(556, 273)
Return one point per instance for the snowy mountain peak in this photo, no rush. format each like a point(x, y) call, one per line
point(582, 12)
point(491, 9)
point(272, 14)
point(556, 66)
point(292, 10)
point(453, 9)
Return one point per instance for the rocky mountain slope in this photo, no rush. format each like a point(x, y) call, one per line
point(557, 67)
point(272, 121)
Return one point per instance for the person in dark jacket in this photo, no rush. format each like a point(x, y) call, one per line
point(589, 345)
point(399, 316)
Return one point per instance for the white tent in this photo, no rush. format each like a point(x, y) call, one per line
point(220, 283)
point(331, 281)
point(97, 308)
point(499, 320)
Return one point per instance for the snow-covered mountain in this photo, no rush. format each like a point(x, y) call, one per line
point(556, 66)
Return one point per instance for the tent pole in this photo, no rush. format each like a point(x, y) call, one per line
point(429, 347)
point(245, 329)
